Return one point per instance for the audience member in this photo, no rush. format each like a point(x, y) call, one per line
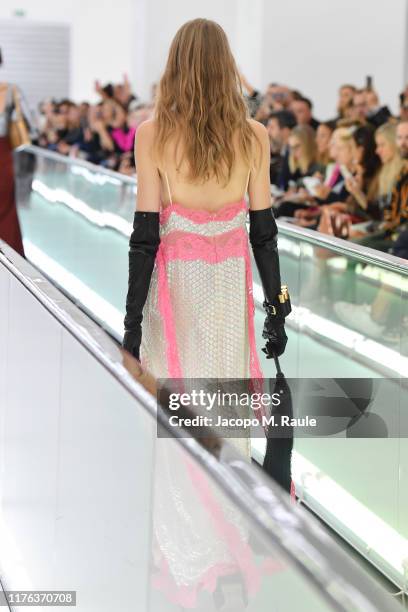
point(323, 136)
point(302, 109)
point(404, 106)
point(376, 114)
point(345, 100)
point(302, 158)
point(391, 162)
point(280, 125)
point(360, 108)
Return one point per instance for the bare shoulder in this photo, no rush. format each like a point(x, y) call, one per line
point(144, 140)
point(146, 131)
point(258, 128)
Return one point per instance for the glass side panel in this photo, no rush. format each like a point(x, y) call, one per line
point(349, 318)
point(76, 224)
point(92, 502)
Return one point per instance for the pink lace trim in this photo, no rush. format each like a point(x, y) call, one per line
point(225, 213)
point(164, 303)
point(184, 595)
point(212, 249)
point(254, 365)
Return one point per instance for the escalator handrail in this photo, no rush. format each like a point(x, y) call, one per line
point(337, 245)
point(76, 161)
point(296, 536)
point(344, 247)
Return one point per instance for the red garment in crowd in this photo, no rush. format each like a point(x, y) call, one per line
point(9, 224)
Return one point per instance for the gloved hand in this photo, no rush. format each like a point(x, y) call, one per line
point(131, 342)
point(276, 338)
point(143, 245)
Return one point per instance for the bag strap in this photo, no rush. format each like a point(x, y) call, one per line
point(17, 105)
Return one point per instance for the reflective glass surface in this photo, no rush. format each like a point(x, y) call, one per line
point(349, 319)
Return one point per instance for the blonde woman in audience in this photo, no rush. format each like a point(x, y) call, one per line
point(342, 152)
point(301, 163)
point(302, 152)
point(323, 136)
point(387, 151)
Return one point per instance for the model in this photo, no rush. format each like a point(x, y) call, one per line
point(9, 223)
point(190, 308)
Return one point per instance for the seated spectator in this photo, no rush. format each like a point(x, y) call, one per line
point(398, 211)
point(333, 190)
point(302, 109)
point(363, 184)
point(395, 217)
point(74, 132)
point(360, 107)
point(280, 126)
point(97, 146)
point(56, 127)
point(279, 97)
point(83, 113)
point(403, 106)
point(301, 163)
point(345, 101)
point(302, 159)
point(376, 114)
point(342, 151)
point(323, 136)
point(122, 136)
point(387, 150)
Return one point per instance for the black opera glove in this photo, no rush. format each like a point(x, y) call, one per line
point(143, 246)
point(263, 238)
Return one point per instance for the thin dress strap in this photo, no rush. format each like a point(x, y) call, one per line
point(247, 183)
point(168, 188)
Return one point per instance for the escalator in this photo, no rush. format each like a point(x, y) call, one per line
point(76, 220)
point(98, 512)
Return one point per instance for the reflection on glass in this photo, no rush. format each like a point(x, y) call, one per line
point(349, 320)
point(205, 554)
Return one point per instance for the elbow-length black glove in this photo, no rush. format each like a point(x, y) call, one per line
point(263, 238)
point(143, 245)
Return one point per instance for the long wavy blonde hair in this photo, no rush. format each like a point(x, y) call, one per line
point(307, 139)
point(390, 170)
point(200, 103)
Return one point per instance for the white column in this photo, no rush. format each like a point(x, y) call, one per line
point(247, 44)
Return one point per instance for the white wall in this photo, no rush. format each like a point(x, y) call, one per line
point(313, 45)
point(156, 22)
point(101, 36)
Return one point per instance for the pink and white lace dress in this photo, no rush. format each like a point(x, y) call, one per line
point(198, 320)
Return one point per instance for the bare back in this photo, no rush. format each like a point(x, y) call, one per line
point(159, 186)
point(211, 195)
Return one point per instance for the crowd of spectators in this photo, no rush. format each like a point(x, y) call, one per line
point(101, 133)
point(347, 176)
